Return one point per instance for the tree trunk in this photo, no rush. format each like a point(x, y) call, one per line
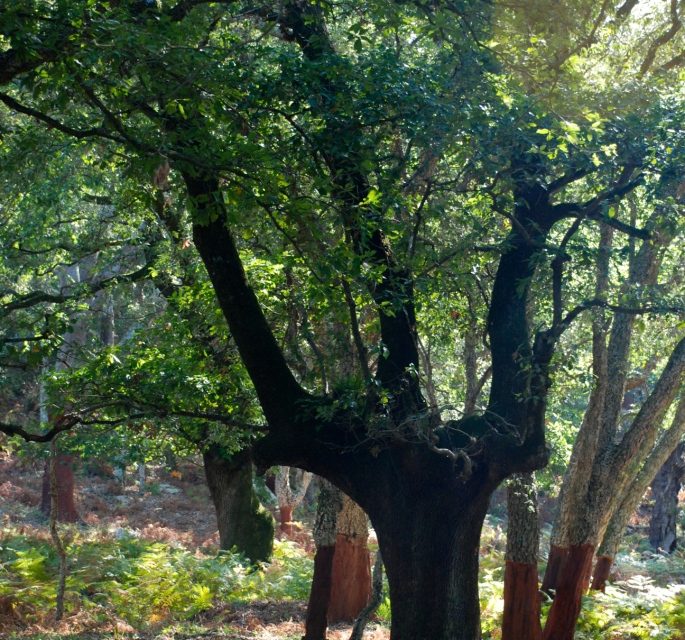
point(351, 580)
point(665, 489)
point(325, 533)
point(289, 495)
point(601, 573)
point(430, 545)
point(521, 618)
point(634, 493)
point(561, 622)
point(555, 566)
point(64, 479)
point(243, 523)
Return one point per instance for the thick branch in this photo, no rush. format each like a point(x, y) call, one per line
point(279, 393)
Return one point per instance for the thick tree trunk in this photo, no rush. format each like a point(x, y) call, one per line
point(325, 533)
point(351, 581)
point(665, 489)
point(561, 622)
point(65, 489)
point(243, 523)
point(521, 618)
point(430, 546)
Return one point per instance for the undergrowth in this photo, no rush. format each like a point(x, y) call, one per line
point(151, 587)
point(140, 582)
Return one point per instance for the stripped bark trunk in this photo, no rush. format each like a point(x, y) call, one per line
point(290, 496)
point(325, 534)
point(561, 622)
point(62, 466)
point(521, 618)
point(351, 580)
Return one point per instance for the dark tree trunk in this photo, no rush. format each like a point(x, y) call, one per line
point(316, 622)
point(430, 544)
point(555, 566)
point(65, 489)
point(665, 489)
point(573, 582)
point(521, 616)
point(243, 523)
point(601, 573)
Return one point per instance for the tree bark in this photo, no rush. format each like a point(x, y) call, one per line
point(562, 618)
point(325, 533)
point(351, 580)
point(555, 566)
point(636, 490)
point(65, 488)
point(244, 525)
point(430, 551)
point(288, 496)
point(665, 489)
point(600, 575)
point(521, 618)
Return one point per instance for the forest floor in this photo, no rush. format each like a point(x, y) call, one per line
point(144, 565)
point(174, 509)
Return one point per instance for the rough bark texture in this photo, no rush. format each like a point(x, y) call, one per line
point(243, 523)
point(563, 615)
point(521, 618)
point(635, 492)
point(65, 488)
point(665, 489)
point(325, 534)
point(351, 587)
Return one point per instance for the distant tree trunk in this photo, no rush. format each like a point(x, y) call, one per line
point(665, 488)
point(64, 480)
point(53, 490)
point(243, 523)
point(289, 495)
point(521, 618)
point(351, 586)
point(325, 534)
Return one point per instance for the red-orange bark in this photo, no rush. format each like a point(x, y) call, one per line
point(351, 582)
point(64, 473)
point(320, 594)
point(555, 563)
point(573, 581)
point(521, 619)
point(285, 515)
point(601, 573)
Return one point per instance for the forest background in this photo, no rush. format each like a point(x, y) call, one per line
point(418, 249)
